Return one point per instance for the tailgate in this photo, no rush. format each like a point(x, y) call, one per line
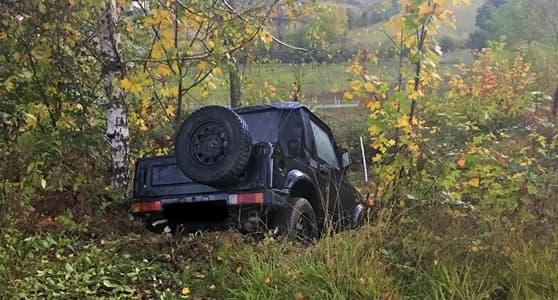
point(160, 176)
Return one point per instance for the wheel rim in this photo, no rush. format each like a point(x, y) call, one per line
point(210, 143)
point(303, 227)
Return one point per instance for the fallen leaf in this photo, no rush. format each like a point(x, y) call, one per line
point(474, 182)
point(185, 291)
point(461, 163)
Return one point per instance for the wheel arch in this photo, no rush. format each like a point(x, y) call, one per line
point(300, 185)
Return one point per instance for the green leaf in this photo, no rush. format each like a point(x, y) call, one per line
point(42, 8)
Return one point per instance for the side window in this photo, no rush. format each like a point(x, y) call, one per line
point(324, 146)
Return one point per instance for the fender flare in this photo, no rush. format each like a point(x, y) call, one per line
point(293, 177)
point(296, 177)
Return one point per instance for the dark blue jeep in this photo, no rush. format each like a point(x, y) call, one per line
point(257, 167)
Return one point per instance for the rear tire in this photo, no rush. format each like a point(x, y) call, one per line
point(297, 221)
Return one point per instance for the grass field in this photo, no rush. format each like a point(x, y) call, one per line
point(322, 83)
point(325, 83)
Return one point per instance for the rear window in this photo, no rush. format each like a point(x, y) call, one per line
point(167, 175)
point(262, 125)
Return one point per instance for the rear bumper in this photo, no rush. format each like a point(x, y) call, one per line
point(247, 211)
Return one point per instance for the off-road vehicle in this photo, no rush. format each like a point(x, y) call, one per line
point(257, 167)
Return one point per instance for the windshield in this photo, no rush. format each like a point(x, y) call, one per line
point(262, 125)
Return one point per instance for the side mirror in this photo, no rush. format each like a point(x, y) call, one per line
point(346, 159)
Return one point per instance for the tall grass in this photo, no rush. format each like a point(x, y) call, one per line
point(408, 258)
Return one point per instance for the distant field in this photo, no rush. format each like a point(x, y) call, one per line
point(324, 83)
point(316, 81)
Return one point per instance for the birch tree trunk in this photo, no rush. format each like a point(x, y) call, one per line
point(117, 114)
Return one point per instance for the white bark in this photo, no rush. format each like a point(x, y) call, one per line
point(117, 115)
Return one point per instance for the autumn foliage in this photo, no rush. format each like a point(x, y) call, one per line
point(462, 159)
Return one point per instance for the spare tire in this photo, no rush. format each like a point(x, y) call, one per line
point(213, 146)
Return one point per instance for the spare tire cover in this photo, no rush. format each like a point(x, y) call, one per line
point(213, 146)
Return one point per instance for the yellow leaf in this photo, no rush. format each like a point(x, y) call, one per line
point(217, 72)
point(157, 50)
point(356, 85)
point(125, 83)
point(204, 93)
point(174, 91)
point(414, 95)
point(426, 9)
point(377, 158)
point(395, 23)
point(128, 85)
point(161, 15)
point(169, 91)
point(135, 88)
point(141, 125)
point(144, 106)
point(202, 66)
point(129, 26)
point(185, 291)
point(474, 182)
point(170, 110)
point(266, 37)
point(238, 270)
point(43, 184)
point(374, 105)
point(163, 70)
point(348, 96)
point(403, 122)
point(267, 280)
point(374, 130)
point(369, 87)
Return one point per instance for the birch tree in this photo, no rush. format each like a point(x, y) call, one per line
point(117, 113)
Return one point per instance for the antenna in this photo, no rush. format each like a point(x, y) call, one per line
point(364, 160)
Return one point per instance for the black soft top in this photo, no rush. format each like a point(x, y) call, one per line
point(278, 106)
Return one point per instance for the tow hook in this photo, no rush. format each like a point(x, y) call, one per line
point(159, 222)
